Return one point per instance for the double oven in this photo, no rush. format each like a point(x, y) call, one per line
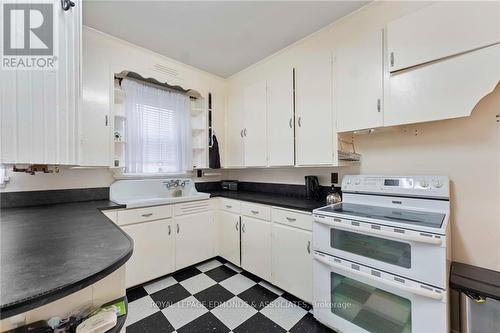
point(381, 257)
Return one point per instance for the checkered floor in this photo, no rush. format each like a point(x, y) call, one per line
point(216, 296)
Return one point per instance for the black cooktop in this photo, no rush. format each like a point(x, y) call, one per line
point(404, 216)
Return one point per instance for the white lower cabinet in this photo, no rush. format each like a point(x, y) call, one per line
point(194, 238)
point(256, 246)
point(229, 236)
point(152, 256)
point(292, 260)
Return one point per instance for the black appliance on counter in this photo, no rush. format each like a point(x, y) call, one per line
point(312, 187)
point(229, 185)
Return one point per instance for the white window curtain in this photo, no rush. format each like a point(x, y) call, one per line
point(157, 131)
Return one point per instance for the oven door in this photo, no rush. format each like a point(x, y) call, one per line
point(412, 254)
point(353, 298)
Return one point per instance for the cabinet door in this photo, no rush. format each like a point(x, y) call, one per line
point(95, 149)
point(292, 260)
point(229, 236)
point(440, 30)
point(442, 90)
point(256, 247)
point(234, 131)
point(313, 110)
point(280, 118)
point(254, 131)
point(194, 238)
point(39, 108)
point(358, 81)
point(153, 251)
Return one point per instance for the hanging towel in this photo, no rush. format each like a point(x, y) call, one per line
point(213, 154)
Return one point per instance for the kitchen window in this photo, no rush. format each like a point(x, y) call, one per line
point(157, 130)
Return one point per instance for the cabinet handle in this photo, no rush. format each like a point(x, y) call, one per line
point(309, 247)
point(291, 219)
point(67, 4)
point(147, 215)
point(378, 105)
point(255, 211)
point(241, 133)
point(106, 120)
point(229, 206)
point(245, 132)
point(178, 228)
point(290, 122)
point(169, 230)
point(243, 227)
point(392, 59)
point(300, 121)
point(236, 225)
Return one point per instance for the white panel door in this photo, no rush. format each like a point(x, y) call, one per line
point(254, 131)
point(194, 238)
point(292, 260)
point(229, 236)
point(256, 247)
point(440, 30)
point(358, 83)
point(95, 135)
point(234, 131)
point(280, 131)
point(313, 110)
point(39, 108)
point(442, 90)
point(153, 251)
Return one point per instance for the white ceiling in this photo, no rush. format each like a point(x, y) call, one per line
point(220, 37)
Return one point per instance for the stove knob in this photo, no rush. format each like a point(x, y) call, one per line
point(437, 184)
point(357, 182)
point(424, 183)
point(348, 182)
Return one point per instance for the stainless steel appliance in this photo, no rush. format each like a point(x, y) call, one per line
point(381, 257)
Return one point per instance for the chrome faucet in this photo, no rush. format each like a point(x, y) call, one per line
point(174, 183)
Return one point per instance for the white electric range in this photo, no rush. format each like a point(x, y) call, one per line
point(382, 256)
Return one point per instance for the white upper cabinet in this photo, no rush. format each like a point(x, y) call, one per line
point(313, 109)
point(358, 83)
point(442, 90)
point(280, 118)
point(441, 30)
point(254, 130)
point(234, 154)
point(39, 108)
point(96, 121)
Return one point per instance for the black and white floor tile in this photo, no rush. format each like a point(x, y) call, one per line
point(216, 297)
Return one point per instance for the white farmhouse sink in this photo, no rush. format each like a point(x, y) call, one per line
point(151, 192)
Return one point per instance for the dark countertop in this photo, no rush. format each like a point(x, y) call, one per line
point(271, 199)
point(51, 251)
point(475, 280)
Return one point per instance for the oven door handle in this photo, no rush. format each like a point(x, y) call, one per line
point(375, 232)
point(411, 290)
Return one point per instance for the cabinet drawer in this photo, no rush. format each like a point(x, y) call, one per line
point(192, 207)
point(258, 211)
point(230, 205)
point(130, 216)
point(293, 218)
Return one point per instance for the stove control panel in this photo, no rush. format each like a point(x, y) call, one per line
point(421, 186)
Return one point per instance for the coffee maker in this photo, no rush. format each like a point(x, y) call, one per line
point(312, 187)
